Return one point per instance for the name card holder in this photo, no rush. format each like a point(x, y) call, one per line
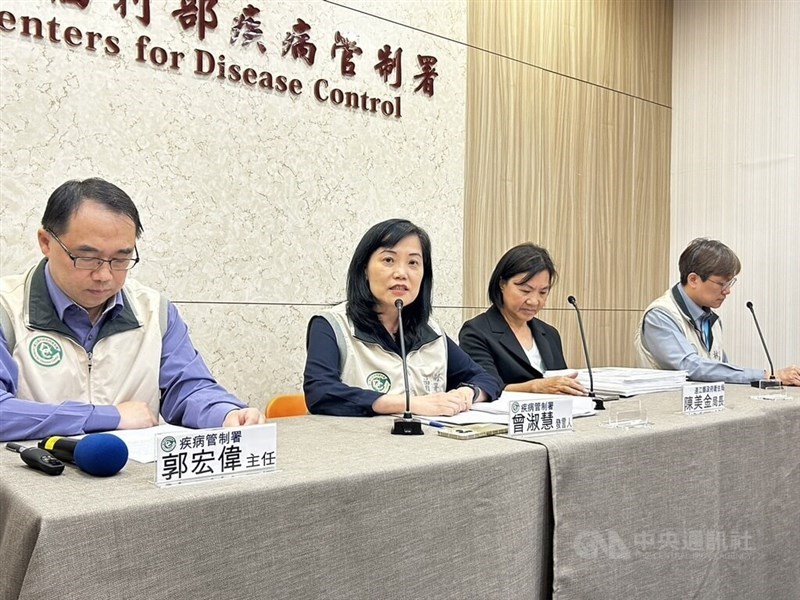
point(539, 417)
point(205, 454)
point(772, 394)
point(701, 398)
point(627, 417)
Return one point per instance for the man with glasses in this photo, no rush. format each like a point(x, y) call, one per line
point(83, 348)
point(680, 331)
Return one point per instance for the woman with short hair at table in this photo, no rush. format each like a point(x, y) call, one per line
point(354, 365)
point(508, 340)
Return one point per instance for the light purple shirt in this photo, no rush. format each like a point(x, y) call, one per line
point(665, 340)
point(190, 395)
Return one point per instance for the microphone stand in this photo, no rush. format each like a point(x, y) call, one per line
point(598, 399)
point(407, 425)
point(770, 383)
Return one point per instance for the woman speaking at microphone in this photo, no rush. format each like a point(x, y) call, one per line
point(354, 365)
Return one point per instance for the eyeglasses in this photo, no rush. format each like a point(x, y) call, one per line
point(85, 263)
point(725, 286)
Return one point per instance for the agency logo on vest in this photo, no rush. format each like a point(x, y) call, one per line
point(379, 382)
point(45, 351)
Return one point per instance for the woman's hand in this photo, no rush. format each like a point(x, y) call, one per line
point(440, 404)
point(443, 404)
point(558, 385)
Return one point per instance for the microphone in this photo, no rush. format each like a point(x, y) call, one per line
point(408, 425)
point(38, 459)
point(98, 454)
point(764, 383)
point(598, 400)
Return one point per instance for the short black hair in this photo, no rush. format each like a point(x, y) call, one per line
point(707, 257)
point(68, 197)
point(525, 258)
point(361, 302)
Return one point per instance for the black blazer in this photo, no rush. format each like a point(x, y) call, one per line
point(490, 342)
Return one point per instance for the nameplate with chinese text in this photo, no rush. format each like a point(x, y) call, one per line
point(537, 417)
point(699, 398)
point(202, 454)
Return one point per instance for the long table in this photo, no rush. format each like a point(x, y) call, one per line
point(353, 512)
point(690, 507)
point(704, 506)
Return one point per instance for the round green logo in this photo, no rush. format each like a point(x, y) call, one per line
point(379, 382)
point(168, 444)
point(45, 351)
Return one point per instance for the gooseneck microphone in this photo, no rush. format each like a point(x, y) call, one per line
point(98, 454)
point(763, 383)
point(408, 425)
point(574, 302)
point(598, 400)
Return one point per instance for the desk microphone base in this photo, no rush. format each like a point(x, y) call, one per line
point(407, 426)
point(599, 399)
point(767, 384)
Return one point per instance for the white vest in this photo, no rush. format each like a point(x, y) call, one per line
point(368, 365)
point(668, 304)
point(53, 367)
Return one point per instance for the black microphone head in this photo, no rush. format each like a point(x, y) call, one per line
point(101, 454)
point(749, 305)
point(398, 303)
point(572, 300)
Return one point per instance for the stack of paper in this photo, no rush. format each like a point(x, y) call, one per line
point(627, 381)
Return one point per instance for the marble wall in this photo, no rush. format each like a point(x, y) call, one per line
point(252, 199)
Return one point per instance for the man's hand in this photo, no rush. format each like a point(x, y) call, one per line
point(134, 414)
point(789, 375)
point(243, 416)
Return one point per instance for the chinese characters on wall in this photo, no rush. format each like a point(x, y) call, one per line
point(250, 33)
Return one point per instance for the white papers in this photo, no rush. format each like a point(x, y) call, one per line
point(141, 442)
point(582, 406)
point(468, 417)
point(497, 411)
point(627, 381)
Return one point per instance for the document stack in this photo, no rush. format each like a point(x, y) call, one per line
point(626, 381)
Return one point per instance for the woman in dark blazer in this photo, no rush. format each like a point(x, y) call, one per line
point(508, 340)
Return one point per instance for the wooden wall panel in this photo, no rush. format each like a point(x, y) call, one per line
point(625, 45)
point(580, 169)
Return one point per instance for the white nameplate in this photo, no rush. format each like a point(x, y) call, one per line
point(536, 417)
point(699, 398)
point(200, 454)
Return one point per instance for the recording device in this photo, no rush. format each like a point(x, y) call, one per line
point(38, 459)
point(407, 425)
point(598, 398)
point(98, 454)
point(764, 383)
